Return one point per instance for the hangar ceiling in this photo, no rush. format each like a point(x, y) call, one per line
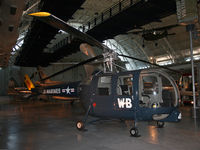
point(38, 44)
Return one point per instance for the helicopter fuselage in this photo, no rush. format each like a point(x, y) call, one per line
point(121, 95)
point(132, 95)
point(151, 36)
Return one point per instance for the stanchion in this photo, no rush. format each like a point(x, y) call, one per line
point(190, 28)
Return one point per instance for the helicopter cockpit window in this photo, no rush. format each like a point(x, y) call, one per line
point(124, 85)
point(168, 94)
point(104, 85)
point(150, 85)
point(150, 90)
point(157, 90)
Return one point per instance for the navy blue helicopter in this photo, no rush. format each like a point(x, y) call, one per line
point(140, 95)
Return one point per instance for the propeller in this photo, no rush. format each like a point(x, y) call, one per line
point(60, 24)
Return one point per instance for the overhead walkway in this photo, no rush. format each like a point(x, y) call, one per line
point(127, 15)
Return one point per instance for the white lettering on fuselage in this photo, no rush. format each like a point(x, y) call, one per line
point(68, 90)
point(51, 91)
point(124, 102)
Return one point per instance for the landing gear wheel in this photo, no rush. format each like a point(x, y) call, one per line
point(160, 124)
point(80, 125)
point(134, 132)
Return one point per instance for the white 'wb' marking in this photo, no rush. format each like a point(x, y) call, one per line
point(124, 102)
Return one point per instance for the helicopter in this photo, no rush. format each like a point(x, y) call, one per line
point(155, 34)
point(139, 95)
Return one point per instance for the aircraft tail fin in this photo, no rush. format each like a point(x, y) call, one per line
point(28, 82)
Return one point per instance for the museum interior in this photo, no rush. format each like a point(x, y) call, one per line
point(99, 74)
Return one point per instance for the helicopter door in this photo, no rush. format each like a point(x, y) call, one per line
point(150, 90)
point(103, 95)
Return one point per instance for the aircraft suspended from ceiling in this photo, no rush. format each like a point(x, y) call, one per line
point(139, 95)
point(154, 33)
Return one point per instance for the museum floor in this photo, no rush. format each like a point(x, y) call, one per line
point(37, 125)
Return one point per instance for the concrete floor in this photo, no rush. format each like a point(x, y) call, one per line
point(51, 126)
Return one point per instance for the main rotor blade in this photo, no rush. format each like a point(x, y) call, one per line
point(150, 63)
point(74, 66)
point(60, 24)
